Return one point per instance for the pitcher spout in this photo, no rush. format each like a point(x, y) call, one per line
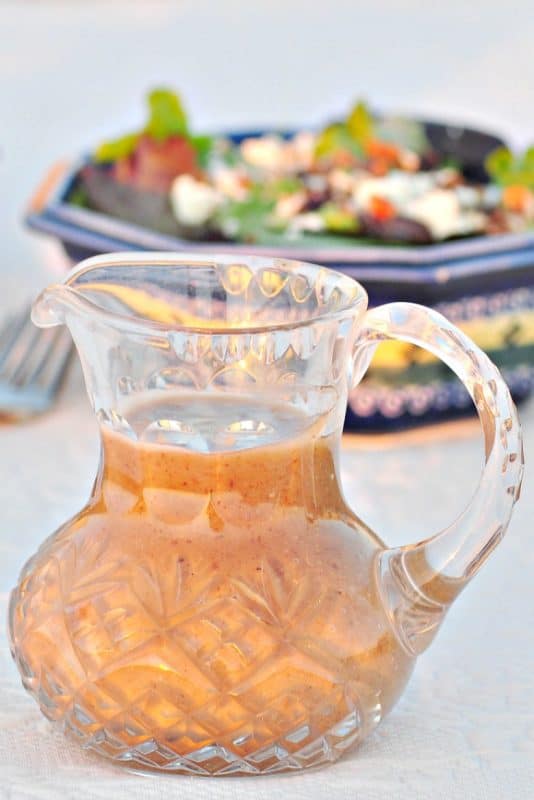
point(51, 306)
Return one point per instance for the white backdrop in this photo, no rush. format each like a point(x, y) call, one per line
point(74, 72)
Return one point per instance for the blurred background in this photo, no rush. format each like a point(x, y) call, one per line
point(73, 73)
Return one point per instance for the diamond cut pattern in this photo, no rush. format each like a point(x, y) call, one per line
point(228, 639)
point(197, 688)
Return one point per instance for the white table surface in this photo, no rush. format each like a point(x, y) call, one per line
point(465, 725)
point(73, 72)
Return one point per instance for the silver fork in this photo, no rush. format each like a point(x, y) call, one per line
point(33, 362)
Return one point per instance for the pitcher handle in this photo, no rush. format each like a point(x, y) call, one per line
point(418, 582)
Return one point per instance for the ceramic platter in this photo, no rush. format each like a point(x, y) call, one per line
point(484, 284)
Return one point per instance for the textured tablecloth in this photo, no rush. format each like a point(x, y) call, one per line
point(464, 727)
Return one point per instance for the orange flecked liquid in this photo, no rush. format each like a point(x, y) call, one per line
point(211, 610)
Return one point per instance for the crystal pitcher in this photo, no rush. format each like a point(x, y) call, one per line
point(217, 607)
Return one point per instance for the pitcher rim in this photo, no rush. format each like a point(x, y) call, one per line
point(351, 307)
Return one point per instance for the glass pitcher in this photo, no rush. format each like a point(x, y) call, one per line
point(217, 607)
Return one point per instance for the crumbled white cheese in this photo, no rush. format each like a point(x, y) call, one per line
point(301, 151)
point(398, 188)
point(468, 196)
point(440, 211)
point(342, 181)
point(409, 160)
point(289, 205)
point(470, 222)
point(447, 177)
point(264, 152)
point(193, 202)
point(311, 222)
point(418, 197)
point(316, 182)
point(274, 154)
point(230, 182)
point(491, 196)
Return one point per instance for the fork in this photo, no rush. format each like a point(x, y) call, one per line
point(33, 362)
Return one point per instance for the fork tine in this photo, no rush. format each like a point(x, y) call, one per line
point(30, 367)
point(6, 333)
point(10, 332)
point(53, 365)
point(19, 348)
point(32, 364)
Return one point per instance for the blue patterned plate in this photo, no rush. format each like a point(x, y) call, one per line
point(485, 284)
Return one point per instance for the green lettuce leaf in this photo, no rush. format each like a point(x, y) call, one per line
point(351, 135)
point(167, 115)
point(507, 169)
point(203, 145)
point(360, 124)
point(283, 186)
point(334, 138)
point(117, 149)
point(246, 219)
point(166, 118)
point(338, 220)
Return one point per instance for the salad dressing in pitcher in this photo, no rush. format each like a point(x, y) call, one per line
point(220, 596)
point(217, 607)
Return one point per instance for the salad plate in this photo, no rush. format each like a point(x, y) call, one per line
point(455, 232)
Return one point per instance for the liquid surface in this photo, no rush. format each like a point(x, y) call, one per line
point(211, 611)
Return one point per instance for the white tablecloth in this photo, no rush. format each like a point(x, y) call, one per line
point(73, 73)
point(463, 729)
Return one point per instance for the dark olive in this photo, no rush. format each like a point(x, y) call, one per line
point(397, 229)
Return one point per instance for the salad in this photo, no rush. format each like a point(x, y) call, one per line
point(362, 178)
